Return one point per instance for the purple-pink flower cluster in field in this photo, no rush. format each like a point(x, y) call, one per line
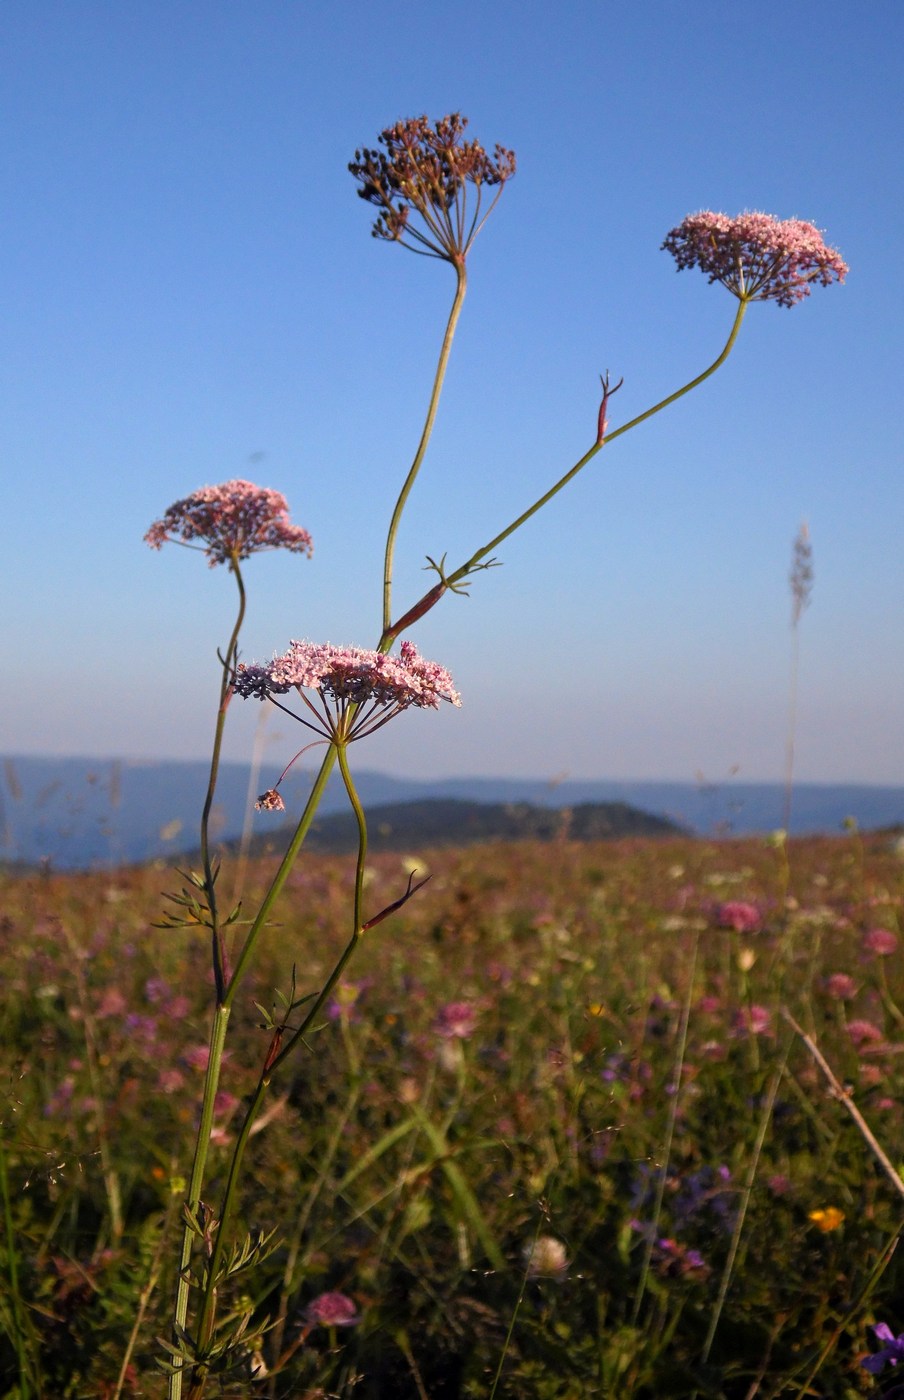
point(740, 915)
point(841, 986)
point(372, 686)
point(455, 1020)
point(234, 520)
point(331, 1310)
point(880, 941)
point(756, 256)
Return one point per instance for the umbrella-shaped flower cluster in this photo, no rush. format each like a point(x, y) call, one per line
point(428, 169)
point(756, 256)
point(357, 691)
point(234, 520)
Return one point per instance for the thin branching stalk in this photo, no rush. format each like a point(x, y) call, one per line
point(199, 1164)
point(843, 1096)
point(229, 661)
point(515, 1311)
point(762, 1129)
point(460, 289)
point(278, 1052)
point(494, 543)
point(285, 867)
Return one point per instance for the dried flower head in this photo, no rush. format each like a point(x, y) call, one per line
point(270, 801)
point(757, 257)
point(428, 169)
point(801, 575)
point(358, 691)
point(234, 520)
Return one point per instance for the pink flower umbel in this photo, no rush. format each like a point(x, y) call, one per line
point(757, 257)
point(428, 170)
point(358, 691)
point(880, 941)
point(234, 520)
point(331, 1310)
point(740, 915)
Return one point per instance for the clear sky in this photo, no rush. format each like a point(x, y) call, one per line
point(190, 293)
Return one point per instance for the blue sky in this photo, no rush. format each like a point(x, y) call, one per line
point(190, 293)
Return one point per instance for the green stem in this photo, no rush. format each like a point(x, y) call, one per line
point(358, 924)
point(229, 663)
point(280, 877)
point(208, 1308)
point(202, 1144)
point(460, 289)
point(475, 559)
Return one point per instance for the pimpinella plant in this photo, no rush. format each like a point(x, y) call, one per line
point(433, 189)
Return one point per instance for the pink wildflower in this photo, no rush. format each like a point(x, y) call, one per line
point(359, 691)
point(234, 520)
point(841, 986)
point(331, 1310)
point(757, 257)
point(752, 1020)
point(864, 1033)
point(739, 915)
point(880, 941)
point(455, 1020)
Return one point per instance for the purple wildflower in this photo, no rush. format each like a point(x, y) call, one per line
point(892, 1353)
point(756, 256)
point(359, 691)
point(455, 1020)
point(676, 1260)
point(331, 1310)
point(235, 520)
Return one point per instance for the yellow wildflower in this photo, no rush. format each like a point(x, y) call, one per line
point(827, 1220)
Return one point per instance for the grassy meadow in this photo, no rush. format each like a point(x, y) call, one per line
point(555, 1137)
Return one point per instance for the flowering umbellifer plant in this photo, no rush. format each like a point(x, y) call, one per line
point(233, 521)
point(430, 187)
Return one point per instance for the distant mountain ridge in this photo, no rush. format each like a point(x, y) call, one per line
point(78, 813)
point(451, 821)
